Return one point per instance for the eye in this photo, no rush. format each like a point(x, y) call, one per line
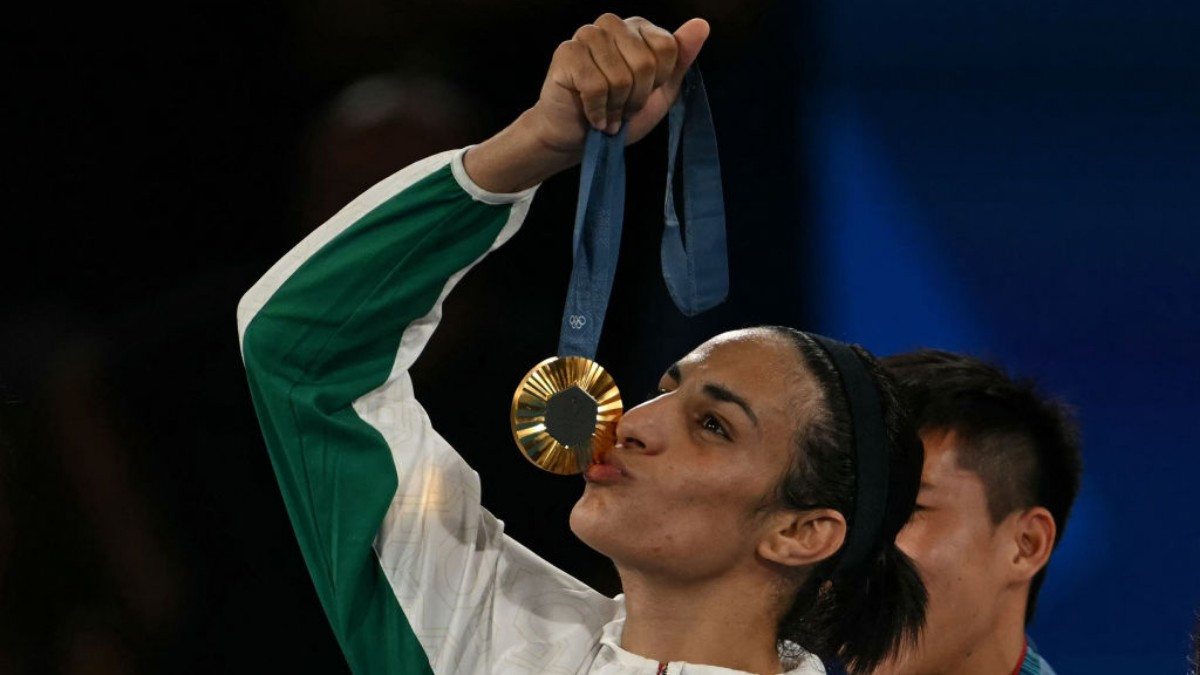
point(655, 393)
point(710, 423)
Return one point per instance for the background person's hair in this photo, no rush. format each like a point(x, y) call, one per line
point(859, 615)
point(1023, 445)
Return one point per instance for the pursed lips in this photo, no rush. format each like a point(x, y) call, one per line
point(607, 468)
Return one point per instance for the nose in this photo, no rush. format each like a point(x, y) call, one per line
point(642, 429)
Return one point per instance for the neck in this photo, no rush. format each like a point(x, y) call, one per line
point(997, 650)
point(999, 655)
point(717, 623)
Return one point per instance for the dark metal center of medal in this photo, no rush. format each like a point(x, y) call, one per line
point(571, 416)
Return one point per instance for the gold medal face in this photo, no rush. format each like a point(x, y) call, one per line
point(564, 413)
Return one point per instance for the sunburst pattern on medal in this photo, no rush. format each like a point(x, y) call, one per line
point(529, 413)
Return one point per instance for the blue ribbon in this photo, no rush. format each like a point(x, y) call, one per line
point(694, 259)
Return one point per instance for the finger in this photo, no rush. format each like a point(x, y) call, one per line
point(639, 58)
point(690, 37)
point(574, 69)
point(662, 44)
point(607, 57)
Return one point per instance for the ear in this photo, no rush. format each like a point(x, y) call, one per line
point(1033, 533)
point(795, 538)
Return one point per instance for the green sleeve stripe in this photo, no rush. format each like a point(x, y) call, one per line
point(325, 337)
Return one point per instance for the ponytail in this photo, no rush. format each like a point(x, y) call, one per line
point(882, 611)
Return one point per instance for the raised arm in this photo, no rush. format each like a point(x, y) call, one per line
point(329, 334)
point(408, 567)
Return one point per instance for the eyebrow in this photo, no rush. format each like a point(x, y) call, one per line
point(674, 374)
point(717, 392)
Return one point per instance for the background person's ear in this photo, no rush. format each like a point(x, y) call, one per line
point(1033, 532)
point(795, 538)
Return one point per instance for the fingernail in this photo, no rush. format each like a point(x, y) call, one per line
point(601, 125)
point(612, 127)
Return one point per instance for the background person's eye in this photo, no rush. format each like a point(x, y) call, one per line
point(655, 393)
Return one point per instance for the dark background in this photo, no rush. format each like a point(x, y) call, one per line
point(1017, 180)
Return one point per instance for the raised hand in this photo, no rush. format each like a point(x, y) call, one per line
point(612, 72)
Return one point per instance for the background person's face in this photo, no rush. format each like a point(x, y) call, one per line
point(959, 553)
point(699, 466)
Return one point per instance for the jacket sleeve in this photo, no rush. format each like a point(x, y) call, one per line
point(407, 565)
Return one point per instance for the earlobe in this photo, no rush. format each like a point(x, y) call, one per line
point(1033, 534)
point(796, 538)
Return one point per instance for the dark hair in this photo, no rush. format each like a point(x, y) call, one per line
point(858, 613)
point(1023, 445)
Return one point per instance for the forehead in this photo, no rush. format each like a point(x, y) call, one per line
point(750, 349)
point(762, 366)
point(942, 473)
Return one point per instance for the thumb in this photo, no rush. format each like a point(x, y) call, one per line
point(690, 37)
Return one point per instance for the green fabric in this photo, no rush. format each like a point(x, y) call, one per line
point(329, 335)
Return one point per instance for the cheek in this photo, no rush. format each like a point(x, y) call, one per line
point(714, 481)
point(939, 548)
point(682, 509)
point(706, 501)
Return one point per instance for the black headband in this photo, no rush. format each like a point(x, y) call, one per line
point(870, 452)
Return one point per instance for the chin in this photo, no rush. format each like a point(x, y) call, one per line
point(592, 525)
point(582, 518)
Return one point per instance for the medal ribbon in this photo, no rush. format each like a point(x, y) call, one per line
point(695, 263)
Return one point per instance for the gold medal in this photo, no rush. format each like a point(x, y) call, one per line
point(564, 413)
